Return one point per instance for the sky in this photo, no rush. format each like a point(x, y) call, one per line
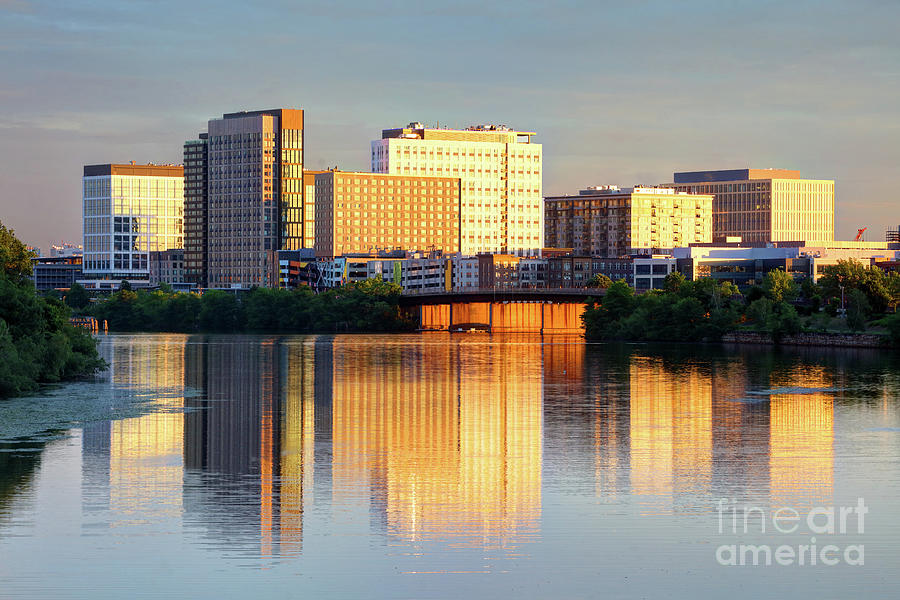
point(619, 93)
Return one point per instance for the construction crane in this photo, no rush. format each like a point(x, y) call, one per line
point(859, 233)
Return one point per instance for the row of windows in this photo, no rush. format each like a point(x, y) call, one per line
point(148, 187)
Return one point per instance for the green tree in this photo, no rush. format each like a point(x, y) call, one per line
point(858, 310)
point(600, 320)
point(851, 274)
point(892, 324)
point(892, 283)
point(220, 312)
point(599, 281)
point(674, 281)
point(77, 297)
point(15, 257)
point(760, 312)
point(37, 343)
point(780, 286)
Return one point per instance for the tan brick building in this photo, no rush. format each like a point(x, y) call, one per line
point(365, 212)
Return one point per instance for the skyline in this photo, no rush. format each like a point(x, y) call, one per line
point(618, 95)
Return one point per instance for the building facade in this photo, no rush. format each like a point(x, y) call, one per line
point(370, 212)
point(255, 189)
point(500, 171)
point(747, 263)
point(56, 272)
point(609, 222)
point(764, 205)
point(167, 266)
point(309, 209)
point(296, 268)
point(412, 272)
point(196, 204)
point(129, 211)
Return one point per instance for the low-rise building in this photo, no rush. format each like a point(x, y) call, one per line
point(611, 222)
point(55, 273)
point(412, 272)
point(167, 266)
point(650, 272)
point(747, 263)
point(295, 268)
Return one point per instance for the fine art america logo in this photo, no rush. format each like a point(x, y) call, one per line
point(819, 521)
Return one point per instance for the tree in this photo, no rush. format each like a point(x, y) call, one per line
point(220, 311)
point(15, 258)
point(892, 283)
point(600, 321)
point(780, 286)
point(37, 343)
point(674, 281)
point(858, 310)
point(851, 274)
point(77, 297)
point(599, 281)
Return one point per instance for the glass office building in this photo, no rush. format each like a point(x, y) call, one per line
point(129, 211)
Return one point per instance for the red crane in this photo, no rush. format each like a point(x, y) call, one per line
point(859, 233)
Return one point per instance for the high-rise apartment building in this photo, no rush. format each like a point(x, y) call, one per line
point(500, 172)
point(196, 200)
point(255, 188)
point(366, 212)
point(309, 208)
point(765, 205)
point(610, 222)
point(129, 211)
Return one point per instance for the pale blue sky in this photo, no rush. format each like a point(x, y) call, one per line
point(618, 92)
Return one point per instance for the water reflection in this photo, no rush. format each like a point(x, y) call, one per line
point(447, 439)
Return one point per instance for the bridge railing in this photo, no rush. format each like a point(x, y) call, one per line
point(481, 291)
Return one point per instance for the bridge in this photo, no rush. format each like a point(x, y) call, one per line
point(499, 310)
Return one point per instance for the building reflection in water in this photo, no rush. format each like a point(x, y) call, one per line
point(132, 467)
point(448, 437)
point(801, 446)
point(248, 441)
point(440, 441)
point(441, 437)
point(690, 429)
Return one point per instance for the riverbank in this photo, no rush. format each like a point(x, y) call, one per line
point(847, 340)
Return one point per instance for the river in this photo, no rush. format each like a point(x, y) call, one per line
point(449, 466)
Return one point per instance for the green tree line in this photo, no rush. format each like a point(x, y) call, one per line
point(706, 309)
point(367, 306)
point(37, 343)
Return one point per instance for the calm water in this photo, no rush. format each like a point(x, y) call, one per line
point(431, 466)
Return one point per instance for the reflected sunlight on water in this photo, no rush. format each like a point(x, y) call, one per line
point(439, 456)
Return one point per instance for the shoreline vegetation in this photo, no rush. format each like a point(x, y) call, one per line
point(370, 306)
point(38, 345)
point(849, 300)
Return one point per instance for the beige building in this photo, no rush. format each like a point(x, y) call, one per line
point(500, 173)
point(765, 205)
point(608, 221)
point(366, 212)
